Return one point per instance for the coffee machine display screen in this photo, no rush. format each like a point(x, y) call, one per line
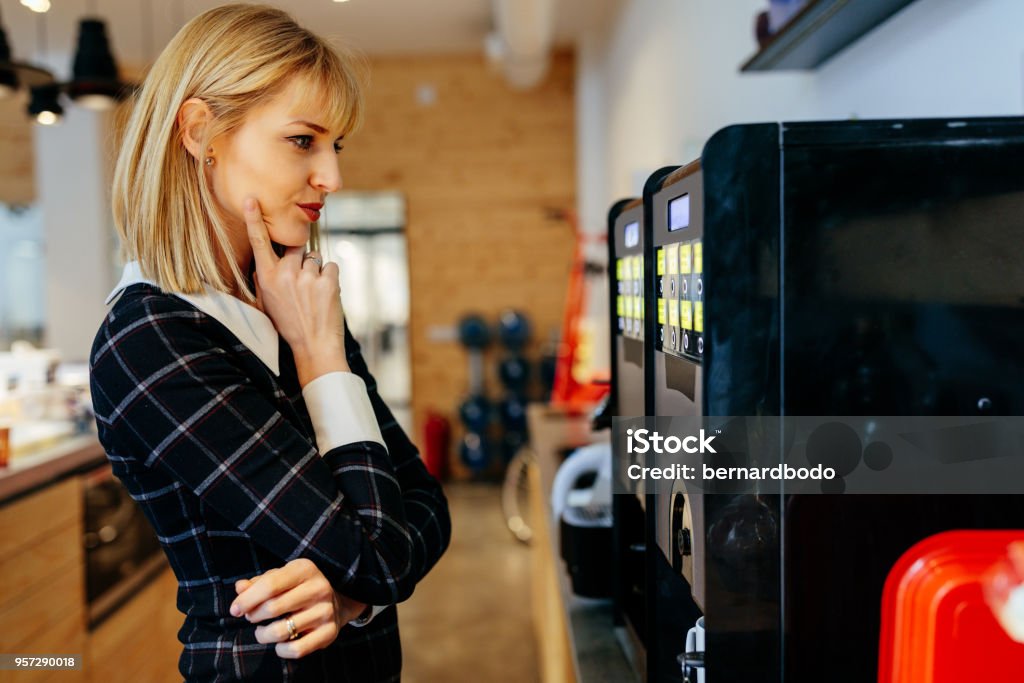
point(631, 234)
point(679, 213)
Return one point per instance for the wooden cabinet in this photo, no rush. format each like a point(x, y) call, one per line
point(43, 607)
point(42, 594)
point(139, 642)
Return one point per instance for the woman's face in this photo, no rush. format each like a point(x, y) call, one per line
point(284, 156)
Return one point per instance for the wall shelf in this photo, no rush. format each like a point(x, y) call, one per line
point(822, 29)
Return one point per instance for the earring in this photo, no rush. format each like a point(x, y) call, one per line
point(209, 161)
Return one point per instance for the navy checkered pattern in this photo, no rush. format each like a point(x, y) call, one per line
point(221, 456)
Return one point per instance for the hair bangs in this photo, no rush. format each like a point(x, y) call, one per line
point(335, 90)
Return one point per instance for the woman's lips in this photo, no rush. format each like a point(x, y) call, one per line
point(312, 214)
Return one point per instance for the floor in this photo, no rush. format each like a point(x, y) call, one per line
point(469, 620)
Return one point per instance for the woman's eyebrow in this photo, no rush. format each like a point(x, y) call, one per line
point(316, 127)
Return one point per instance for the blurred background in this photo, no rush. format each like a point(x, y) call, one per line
point(471, 238)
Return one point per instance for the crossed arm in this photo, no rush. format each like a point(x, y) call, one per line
point(365, 515)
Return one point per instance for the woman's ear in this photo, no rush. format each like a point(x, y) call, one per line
point(193, 117)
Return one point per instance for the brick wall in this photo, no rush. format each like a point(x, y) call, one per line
point(481, 169)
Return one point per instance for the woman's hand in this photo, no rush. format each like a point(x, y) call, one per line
point(297, 591)
point(302, 299)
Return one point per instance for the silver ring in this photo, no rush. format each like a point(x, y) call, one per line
point(315, 259)
point(292, 633)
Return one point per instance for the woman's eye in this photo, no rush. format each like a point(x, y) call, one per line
point(302, 141)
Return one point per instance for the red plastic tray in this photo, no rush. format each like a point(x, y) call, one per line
point(936, 626)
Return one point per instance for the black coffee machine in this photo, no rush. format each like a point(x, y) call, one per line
point(652, 601)
point(626, 241)
point(836, 268)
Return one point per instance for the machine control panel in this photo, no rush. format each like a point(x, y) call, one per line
point(629, 283)
point(681, 281)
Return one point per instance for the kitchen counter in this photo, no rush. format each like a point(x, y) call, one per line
point(579, 630)
point(41, 467)
point(48, 571)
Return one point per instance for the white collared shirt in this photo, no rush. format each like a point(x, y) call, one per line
point(338, 404)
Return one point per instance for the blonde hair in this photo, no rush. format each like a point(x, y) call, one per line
point(234, 58)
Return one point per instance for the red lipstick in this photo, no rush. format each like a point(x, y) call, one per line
point(312, 211)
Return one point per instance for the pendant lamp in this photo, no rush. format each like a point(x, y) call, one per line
point(14, 74)
point(94, 82)
point(44, 105)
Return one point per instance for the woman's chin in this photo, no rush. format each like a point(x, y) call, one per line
point(293, 237)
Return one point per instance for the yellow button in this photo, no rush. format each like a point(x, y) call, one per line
point(698, 257)
point(673, 312)
point(620, 306)
point(638, 307)
point(618, 269)
point(698, 316)
point(661, 311)
point(686, 311)
point(638, 267)
point(661, 261)
point(672, 256)
point(685, 255)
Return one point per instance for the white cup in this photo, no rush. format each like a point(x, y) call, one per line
point(695, 643)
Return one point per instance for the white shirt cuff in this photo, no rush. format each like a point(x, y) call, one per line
point(363, 621)
point(340, 410)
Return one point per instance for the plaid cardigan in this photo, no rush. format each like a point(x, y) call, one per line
point(220, 453)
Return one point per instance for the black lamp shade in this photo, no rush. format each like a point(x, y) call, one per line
point(94, 73)
point(93, 59)
point(5, 47)
point(8, 76)
point(44, 99)
point(15, 74)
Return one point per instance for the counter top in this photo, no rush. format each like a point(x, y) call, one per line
point(29, 472)
point(597, 656)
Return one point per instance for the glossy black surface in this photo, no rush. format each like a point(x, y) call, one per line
point(853, 268)
point(629, 577)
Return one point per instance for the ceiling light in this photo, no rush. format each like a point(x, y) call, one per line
point(44, 106)
point(15, 74)
point(37, 5)
point(94, 82)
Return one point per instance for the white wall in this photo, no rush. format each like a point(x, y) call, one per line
point(937, 58)
point(668, 74)
point(72, 172)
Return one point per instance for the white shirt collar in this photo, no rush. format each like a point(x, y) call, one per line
point(252, 327)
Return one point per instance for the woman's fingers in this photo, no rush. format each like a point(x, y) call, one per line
point(259, 293)
point(259, 238)
point(305, 620)
point(259, 589)
point(288, 601)
point(331, 271)
point(298, 592)
point(318, 638)
point(280, 590)
point(293, 257)
point(313, 262)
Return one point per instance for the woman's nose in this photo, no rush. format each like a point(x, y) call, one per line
point(327, 174)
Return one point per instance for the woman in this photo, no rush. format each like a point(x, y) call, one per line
point(230, 398)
